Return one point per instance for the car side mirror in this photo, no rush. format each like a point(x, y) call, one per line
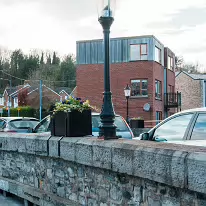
point(144, 136)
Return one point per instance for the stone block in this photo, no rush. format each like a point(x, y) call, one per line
point(67, 148)
point(122, 157)
point(160, 165)
point(37, 145)
point(54, 146)
point(102, 154)
point(196, 168)
point(84, 151)
point(15, 143)
point(41, 145)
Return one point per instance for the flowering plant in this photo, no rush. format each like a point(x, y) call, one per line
point(137, 118)
point(72, 104)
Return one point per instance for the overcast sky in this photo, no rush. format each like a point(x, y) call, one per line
point(58, 24)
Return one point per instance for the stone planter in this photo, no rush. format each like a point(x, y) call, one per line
point(71, 124)
point(137, 123)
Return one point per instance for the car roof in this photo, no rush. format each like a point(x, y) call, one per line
point(18, 118)
point(201, 109)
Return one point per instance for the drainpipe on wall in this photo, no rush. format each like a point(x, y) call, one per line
point(165, 91)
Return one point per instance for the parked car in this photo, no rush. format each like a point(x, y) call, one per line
point(17, 124)
point(186, 127)
point(123, 129)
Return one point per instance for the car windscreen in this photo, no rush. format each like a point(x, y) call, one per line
point(43, 126)
point(20, 123)
point(119, 122)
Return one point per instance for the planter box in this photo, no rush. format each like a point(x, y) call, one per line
point(137, 123)
point(71, 124)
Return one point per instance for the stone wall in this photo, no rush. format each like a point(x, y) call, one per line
point(86, 171)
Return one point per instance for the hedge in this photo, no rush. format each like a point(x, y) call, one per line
point(23, 112)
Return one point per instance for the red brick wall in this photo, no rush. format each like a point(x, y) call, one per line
point(90, 86)
point(158, 72)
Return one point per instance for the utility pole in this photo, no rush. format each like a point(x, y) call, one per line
point(40, 102)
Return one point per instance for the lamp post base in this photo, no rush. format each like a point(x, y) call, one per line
point(108, 132)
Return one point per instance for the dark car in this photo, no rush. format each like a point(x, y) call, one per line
point(17, 124)
point(123, 129)
point(180, 127)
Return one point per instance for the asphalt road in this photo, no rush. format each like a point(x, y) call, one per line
point(9, 201)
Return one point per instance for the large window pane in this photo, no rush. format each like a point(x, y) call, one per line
point(143, 49)
point(157, 54)
point(135, 86)
point(199, 131)
point(158, 89)
point(173, 129)
point(134, 52)
point(139, 87)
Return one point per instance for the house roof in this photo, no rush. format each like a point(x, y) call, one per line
point(193, 76)
point(73, 91)
point(63, 89)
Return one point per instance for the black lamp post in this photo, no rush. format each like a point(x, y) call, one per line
point(127, 93)
point(107, 128)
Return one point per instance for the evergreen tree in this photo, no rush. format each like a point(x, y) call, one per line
point(42, 58)
point(48, 60)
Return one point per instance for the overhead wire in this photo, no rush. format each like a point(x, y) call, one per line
point(34, 79)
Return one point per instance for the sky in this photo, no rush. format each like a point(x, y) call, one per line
point(58, 24)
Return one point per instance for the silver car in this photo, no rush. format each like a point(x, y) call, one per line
point(123, 129)
point(186, 127)
point(17, 124)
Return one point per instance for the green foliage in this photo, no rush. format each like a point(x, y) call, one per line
point(59, 72)
point(23, 112)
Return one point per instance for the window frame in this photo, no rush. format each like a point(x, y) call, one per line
point(140, 52)
point(141, 80)
point(170, 63)
point(193, 124)
point(187, 131)
point(159, 55)
point(159, 114)
point(160, 88)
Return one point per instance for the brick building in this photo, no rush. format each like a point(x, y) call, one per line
point(192, 88)
point(142, 62)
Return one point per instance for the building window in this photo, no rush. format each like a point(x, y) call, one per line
point(16, 100)
point(158, 117)
point(157, 54)
point(158, 89)
point(170, 63)
point(139, 87)
point(138, 52)
point(171, 91)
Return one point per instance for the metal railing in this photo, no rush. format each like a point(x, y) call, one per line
point(172, 100)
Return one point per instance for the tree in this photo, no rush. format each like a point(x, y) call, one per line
point(42, 58)
point(178, 61)
point(48, 61)
point(55, 59)
point(68, 71)
point(22, 97)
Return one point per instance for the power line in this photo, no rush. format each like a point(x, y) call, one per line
point(34, 79)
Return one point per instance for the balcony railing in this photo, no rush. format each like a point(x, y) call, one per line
point(172, 100)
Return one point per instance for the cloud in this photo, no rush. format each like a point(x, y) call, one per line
point(58, 24)
point(190, 17)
